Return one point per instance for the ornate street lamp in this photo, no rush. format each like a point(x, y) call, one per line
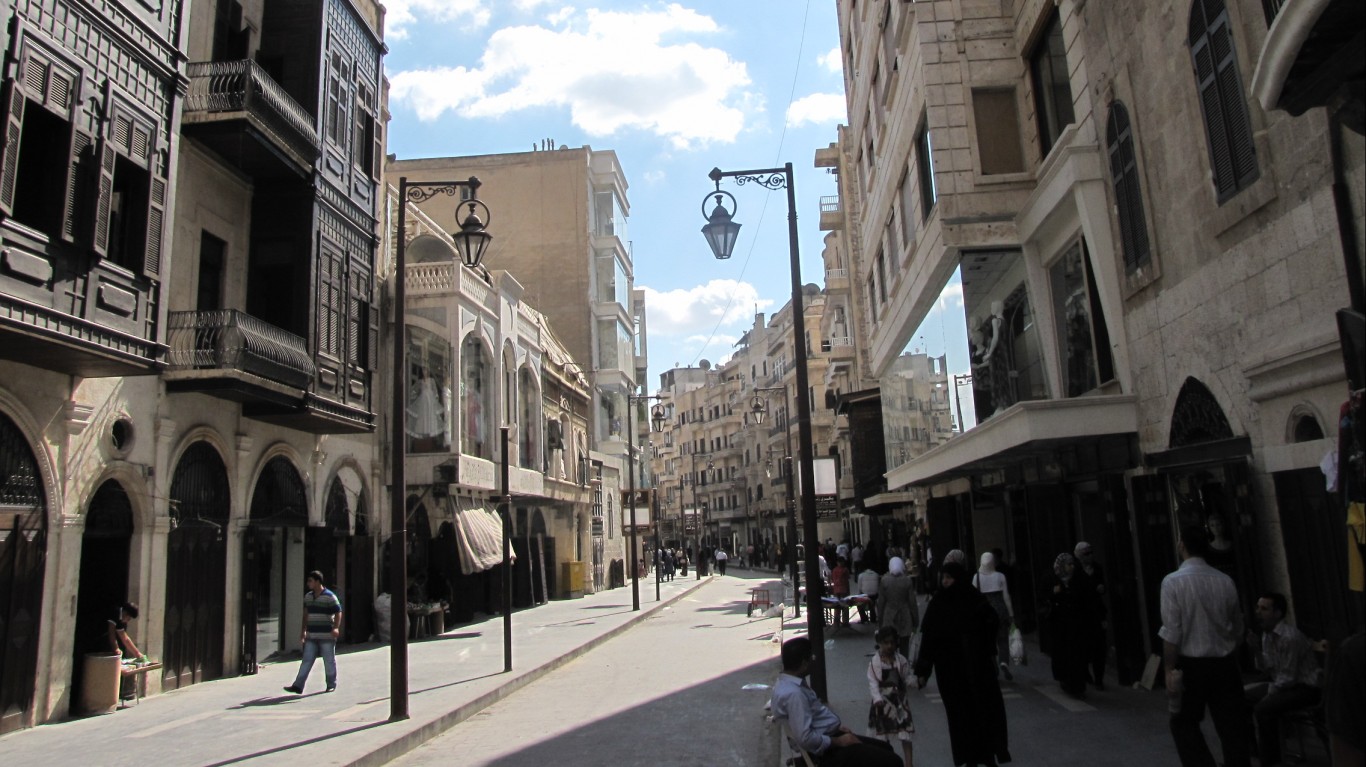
point(758, 409)
point(657, 421)
point(720, 232)
point(471, 242)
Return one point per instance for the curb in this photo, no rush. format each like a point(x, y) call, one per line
point(414, 738)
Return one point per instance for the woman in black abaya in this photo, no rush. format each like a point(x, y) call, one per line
point(958, 644)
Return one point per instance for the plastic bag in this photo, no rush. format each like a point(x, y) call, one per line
point(1017, 648)
point(915, 648)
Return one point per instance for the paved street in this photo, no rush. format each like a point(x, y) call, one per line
point(593, 683)
point(671, 691)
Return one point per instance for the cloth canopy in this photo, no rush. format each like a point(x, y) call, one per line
point(479, 538)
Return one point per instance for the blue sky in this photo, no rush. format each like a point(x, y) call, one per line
point(675, 89)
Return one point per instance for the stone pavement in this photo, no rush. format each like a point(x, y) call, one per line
point(251, 720)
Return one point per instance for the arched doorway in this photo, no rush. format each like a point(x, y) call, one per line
point(103, 584)
point(345, 553)
point(23, 551)
point(273, 565)
point(196, 563)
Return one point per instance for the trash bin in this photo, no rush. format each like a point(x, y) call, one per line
point(100, 685)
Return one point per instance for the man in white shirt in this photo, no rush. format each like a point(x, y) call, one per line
point(867, 584)
point(1287, 656)
point(1201, 628)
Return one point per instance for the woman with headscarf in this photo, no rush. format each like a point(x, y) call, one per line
point(958, 645)
point(1069, 621)
point(896, 605)
point(993, 586)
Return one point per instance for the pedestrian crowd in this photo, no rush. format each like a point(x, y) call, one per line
point(967, 639)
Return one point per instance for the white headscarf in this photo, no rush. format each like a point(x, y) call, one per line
point(956, 555)
point(897, 566)
point(988, 564)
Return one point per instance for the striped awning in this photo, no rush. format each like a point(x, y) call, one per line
point(478, 539)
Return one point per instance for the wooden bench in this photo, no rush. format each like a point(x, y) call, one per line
point(758, 597)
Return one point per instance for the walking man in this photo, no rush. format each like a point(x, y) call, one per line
point(321, 627)
point(721, 557)
point(1201, 628)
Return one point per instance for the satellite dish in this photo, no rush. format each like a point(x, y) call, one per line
point(705, 365)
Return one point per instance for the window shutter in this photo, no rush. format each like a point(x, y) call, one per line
point(14, 129)
point(372, 348)
point(1233, 105)
point(104, 198)
point(1221, 161)
point(156, 219)
point(1133, 226)
point(75, 219)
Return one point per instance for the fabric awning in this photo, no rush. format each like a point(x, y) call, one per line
point(478, 538)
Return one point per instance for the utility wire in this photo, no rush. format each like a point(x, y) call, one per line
point(782, 137)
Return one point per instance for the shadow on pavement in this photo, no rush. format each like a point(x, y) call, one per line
point(691, 715)
point(300, 744)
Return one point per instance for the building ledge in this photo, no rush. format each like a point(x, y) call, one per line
point(1023, 427)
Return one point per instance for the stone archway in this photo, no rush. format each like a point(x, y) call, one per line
point(103, 583)
point(196, 568)
point(23, 554)
point(273, 563)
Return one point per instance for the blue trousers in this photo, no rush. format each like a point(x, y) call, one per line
point(313, 648)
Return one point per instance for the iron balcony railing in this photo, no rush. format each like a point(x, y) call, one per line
point(243, 86)
point(227, 339)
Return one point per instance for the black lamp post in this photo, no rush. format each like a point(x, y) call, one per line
point(721, 232)
point(697, 510)
point(657, 419)
point(758, 409)
point(471, 241)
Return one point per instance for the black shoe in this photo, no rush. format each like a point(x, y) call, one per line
point(295, 690)
point(333, 688)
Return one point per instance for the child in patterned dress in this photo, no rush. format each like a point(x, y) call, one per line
point(889, 682)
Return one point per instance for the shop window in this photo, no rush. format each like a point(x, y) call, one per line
point(1083, 340)
point(476, 389)
point(429, 392)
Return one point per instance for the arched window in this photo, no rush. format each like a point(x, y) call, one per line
point(476, 391)
point(529, 421)
point(1133, 224)
point(1228, 128)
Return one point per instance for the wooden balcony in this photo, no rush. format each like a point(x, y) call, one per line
point(250, 121)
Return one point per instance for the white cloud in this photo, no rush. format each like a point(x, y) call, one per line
point(817, 108)
point(401, 13)
point(951, 296)
point(653, 177)
point(694, 313)
point(678, 89)
point(832, 61)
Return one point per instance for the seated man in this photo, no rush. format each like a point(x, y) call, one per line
point(1287, 657)
point(812, 725)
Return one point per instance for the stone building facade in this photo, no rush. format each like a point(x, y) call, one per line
point(1149, 264)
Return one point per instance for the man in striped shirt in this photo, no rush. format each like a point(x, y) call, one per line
point(321, 627)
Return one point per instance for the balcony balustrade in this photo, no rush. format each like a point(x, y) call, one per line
point(231, 340)
point(223, 92)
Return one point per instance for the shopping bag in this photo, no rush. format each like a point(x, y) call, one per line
point(1017, 648)
point(915, 648)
